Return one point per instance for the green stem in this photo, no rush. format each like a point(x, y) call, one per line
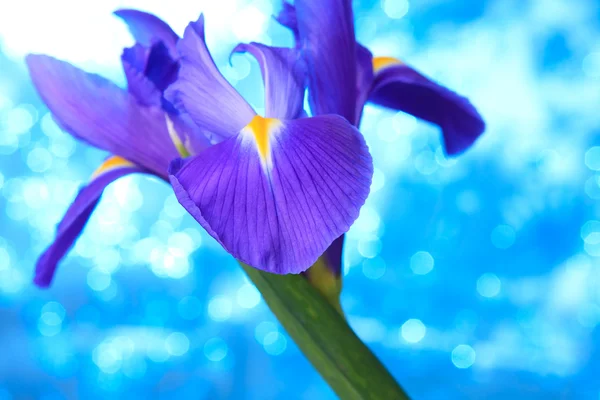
point(325, 338)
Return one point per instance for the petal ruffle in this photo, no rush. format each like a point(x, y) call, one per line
point(77, 216)
point(201, 90)
point(400, 87)
point(283, 72)
point(329, 45)
point(97, 111)
point(147, 29)
point(278, 194)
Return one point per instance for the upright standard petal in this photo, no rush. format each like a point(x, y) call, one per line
point(277, 194)
point(149, 71)
point(400, 87)
point(326, 29)
point(147, 29)
point(283, 73)
point(134, 61)
point(201, 90)
point(78, 214)
point(95, 110)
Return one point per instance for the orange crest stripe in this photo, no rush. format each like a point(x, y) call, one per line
point(261, 128)
point(110, 164)
point(380, 63)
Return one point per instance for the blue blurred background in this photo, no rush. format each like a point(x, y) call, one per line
point(471, 277)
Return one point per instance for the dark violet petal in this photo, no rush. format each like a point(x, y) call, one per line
point(283, 72)
point(147, 29)
point(200, 89)
point(279, 193)
point(134, 61)
point(136, 57)
point(400, 87)
point(95, 110)
point(161, 69)
point(149, 71)
point(77, 216)
point(333, 256)
point(327, 35)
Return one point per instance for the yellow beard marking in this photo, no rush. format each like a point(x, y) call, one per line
point(110, 164)
point(380, 63)
point(261, 129)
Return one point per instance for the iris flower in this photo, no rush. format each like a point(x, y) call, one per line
point(344, 76)
point(137, 125)
point(275, 191)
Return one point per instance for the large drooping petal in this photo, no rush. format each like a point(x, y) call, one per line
point(147, 29)
point(78, 214)
point(201, 90)
point(283, 73)
point(326, 29)
point(400, 87)
point(95, 110)
point(277, 194)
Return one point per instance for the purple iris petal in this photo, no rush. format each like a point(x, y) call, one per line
point(149, 71)
point(203, 92)
point(364, 79)
point(74, 221)
point(147, 29)
point(95, 110)
point(402, 88)
point(398, 86)
point(278, 206)
point(364, 66)
point(161, 69)
point(333, 256)
point(283, 73)
point(134, 61)
point(329, 45)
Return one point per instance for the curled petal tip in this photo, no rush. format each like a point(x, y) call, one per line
point(123, 12)
point(240, 48)
point(283, 72)
point(147, 28)
point(198, 25)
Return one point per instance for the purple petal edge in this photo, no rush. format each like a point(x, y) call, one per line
point(401, 87)
point(73, 223)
